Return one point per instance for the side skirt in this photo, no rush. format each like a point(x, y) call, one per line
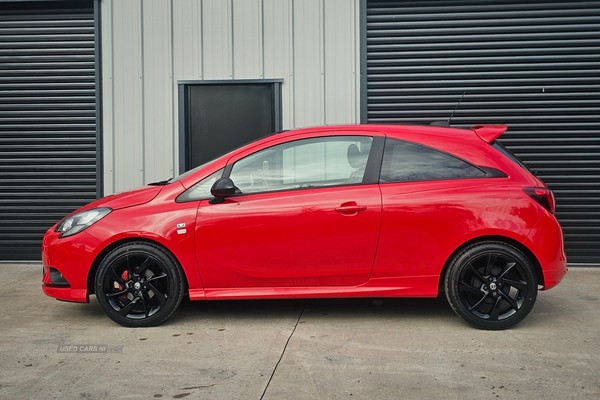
point(421, 286)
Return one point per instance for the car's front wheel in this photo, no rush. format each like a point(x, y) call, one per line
point(138, 284)
point(491, 285)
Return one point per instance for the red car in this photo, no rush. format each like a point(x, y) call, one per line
point(345, 211)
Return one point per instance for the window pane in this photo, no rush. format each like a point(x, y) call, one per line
point(318, 162)
point(406, 162)
point(201, 190)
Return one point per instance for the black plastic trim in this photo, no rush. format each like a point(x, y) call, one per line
point(373, 168)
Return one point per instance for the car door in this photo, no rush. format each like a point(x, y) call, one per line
point(307, 213)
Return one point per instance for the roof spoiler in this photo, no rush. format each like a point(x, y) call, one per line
point(489, 133)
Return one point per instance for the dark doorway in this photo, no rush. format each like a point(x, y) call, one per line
point(219, 116)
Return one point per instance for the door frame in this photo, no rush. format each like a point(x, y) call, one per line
point(182, 89)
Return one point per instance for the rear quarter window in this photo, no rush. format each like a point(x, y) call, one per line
point(410, 162)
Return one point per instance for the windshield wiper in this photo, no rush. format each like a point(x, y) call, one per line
point(160, 183)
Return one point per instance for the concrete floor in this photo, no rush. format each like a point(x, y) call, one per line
point(337, 349)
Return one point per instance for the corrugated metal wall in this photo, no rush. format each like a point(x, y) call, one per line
point(534, 65)
point(47, 119)
point(149, 45)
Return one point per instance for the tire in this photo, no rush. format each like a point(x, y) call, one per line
point(139, 284)
point(491, 285)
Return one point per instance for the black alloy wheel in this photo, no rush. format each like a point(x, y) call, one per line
point(491, 285)
point(139, 284)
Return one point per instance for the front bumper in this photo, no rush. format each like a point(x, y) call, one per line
point(72, 257)
point(67, 294)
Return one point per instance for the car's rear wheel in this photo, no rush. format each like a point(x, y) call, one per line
point(491, 285)
point(138, 284)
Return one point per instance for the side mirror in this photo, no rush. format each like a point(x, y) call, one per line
point(222, 188)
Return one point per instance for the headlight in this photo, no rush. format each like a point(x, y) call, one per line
point(78, 222)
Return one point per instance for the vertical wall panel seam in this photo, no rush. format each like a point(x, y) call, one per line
point(355, 24)
point(174, 137)
point(98, 100)
point(231, 38)
point(142, 91)
point(363, 61)
point(201, 22)
point(172, 81)
point(293, 61)
point(262, 39)
point(112, 84)
point(322, 93)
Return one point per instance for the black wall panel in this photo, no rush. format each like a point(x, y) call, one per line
point(47, 119)
point(533, 65)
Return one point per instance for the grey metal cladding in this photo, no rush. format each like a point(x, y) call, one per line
point(533, 65)
point(47, 120)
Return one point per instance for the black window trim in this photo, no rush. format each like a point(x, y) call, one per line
point(510, 155)
point(183, 196)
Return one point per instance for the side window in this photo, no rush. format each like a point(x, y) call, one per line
point(201, 190)
point(306, 163)
point(408, 162)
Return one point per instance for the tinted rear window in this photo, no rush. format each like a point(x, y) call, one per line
point(409, 162)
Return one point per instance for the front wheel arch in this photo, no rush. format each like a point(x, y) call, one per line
point(503, 239)
point(94, 268)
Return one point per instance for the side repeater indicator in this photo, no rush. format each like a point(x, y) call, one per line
point(179, 230)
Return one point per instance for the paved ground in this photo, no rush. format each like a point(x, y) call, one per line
point(336, 349)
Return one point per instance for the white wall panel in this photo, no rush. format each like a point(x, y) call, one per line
point(150, 45)
point(157, 89)
point(187, 39)
point(126, 103)
point(187, 58)
point(308, 63)
point(217, 39)
point(247, 39)
point(339, 54)
point(278, 52)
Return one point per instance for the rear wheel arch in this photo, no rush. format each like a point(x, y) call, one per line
point(94, 268)
point(483, 239)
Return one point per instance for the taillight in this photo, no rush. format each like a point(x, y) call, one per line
point(543, 196)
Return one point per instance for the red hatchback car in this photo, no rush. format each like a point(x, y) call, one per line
point(345, 211)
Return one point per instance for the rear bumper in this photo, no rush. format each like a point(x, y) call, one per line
point(553, 277)
point(547, 243)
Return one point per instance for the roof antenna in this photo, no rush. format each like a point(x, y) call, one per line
point(456, 108)
point(447, 123)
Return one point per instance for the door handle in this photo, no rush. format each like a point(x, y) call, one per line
point(350, 207)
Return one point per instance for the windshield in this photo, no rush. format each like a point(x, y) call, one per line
point(198, 168)
point(191, 171)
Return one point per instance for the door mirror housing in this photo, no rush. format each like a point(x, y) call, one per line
point(222, 188)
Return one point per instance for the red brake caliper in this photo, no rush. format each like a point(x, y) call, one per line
point(125, 277)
